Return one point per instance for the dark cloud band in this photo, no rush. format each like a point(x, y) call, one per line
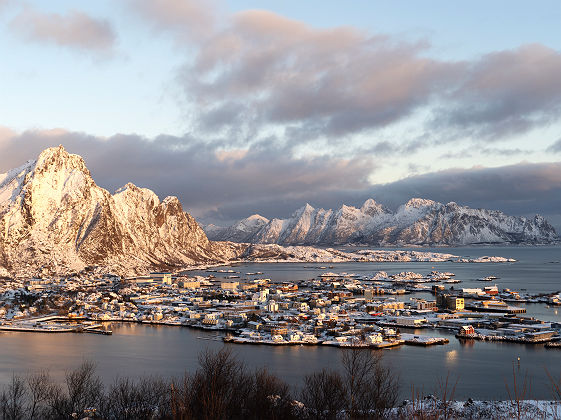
point(225, 185)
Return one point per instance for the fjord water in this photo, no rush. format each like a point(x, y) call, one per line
point(481, 368)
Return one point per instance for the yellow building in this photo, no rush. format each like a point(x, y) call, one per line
point(189, 284)
point(164, 278)
point(229, 285)
point(455, 303)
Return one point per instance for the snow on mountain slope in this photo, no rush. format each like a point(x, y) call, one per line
point(417, 222)
point(242, 231)
point(55, 219)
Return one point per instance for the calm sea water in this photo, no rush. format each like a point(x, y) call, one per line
point(481, 368)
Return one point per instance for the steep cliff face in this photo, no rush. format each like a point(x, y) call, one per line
point(55, 219)
point(417, 222)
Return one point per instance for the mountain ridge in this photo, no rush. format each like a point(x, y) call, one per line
point(54, 218)
point(419, 222)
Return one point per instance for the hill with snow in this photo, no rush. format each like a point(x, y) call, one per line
point(417, 222)
point(55, 219)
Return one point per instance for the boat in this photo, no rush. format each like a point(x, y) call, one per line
point(488, 278)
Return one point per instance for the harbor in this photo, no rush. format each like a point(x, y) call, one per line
point(334, 308)
point(191, 310)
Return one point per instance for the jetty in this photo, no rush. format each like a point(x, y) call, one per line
point(55, 324)
point(423, 340)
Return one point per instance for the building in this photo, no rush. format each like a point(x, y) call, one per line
point(436, 288)
point(374, 338)
point(385, 306)
point(272, 306)
point(410, 321)
point(491, 290)
point(370, 294)
point(140, 280)
point(189, 284)
point(539, 335)
point(288, 287)
point(472, 291)
point(424, 305)
point(455, 303)
point(163, 277)
point(466, 330)
point(254, 325)
point(279, 331)
point(445, 301)
point(229, 285)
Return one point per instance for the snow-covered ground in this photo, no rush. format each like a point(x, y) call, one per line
point(433, 408)
point(278, 253)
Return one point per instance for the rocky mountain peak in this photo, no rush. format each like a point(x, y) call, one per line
point(305, 209)
point(344, 208)
point(257, 218)
point(57, 158)
point(418, 222)
point(418, 203)
point(54, 216)
point(371, 207)
point(129, 186)
point(132, 196)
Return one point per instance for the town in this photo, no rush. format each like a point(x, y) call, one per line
point(336, 309)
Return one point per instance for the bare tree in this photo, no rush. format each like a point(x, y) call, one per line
point(269, 397)
point(147, 398)
point(385, 390)
point(446, 394)
point(519, 392)
point(372, 388)
point(84, 390)
point(13, 400)
point(324, 394)
point(181, 398)
point(220, 386)
point(40, 387)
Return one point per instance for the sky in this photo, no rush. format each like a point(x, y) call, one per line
point(241, 107)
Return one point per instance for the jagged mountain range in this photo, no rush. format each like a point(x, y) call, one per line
point(55, 219)
point(417, 222)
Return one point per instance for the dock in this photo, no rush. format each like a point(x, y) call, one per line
point(55, 324)
point(423, 340)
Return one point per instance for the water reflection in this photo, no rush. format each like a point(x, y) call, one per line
point(135, 350)
point(482, 367)
point(451, 357)
point(467, 343)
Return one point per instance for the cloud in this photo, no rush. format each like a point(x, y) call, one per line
point(256, 71)
point(224, 185)
point(187, 20)
point(264, 69)
point(522, 188)
point(74, 30)
point(202, 175)
point(497, 151)
point(505, 93)
point(555, 147)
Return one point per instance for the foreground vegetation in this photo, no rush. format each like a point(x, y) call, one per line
point(223, 388)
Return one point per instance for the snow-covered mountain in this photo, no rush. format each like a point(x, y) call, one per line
point(241, 231)
point(55, 219)
point(417, 222)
